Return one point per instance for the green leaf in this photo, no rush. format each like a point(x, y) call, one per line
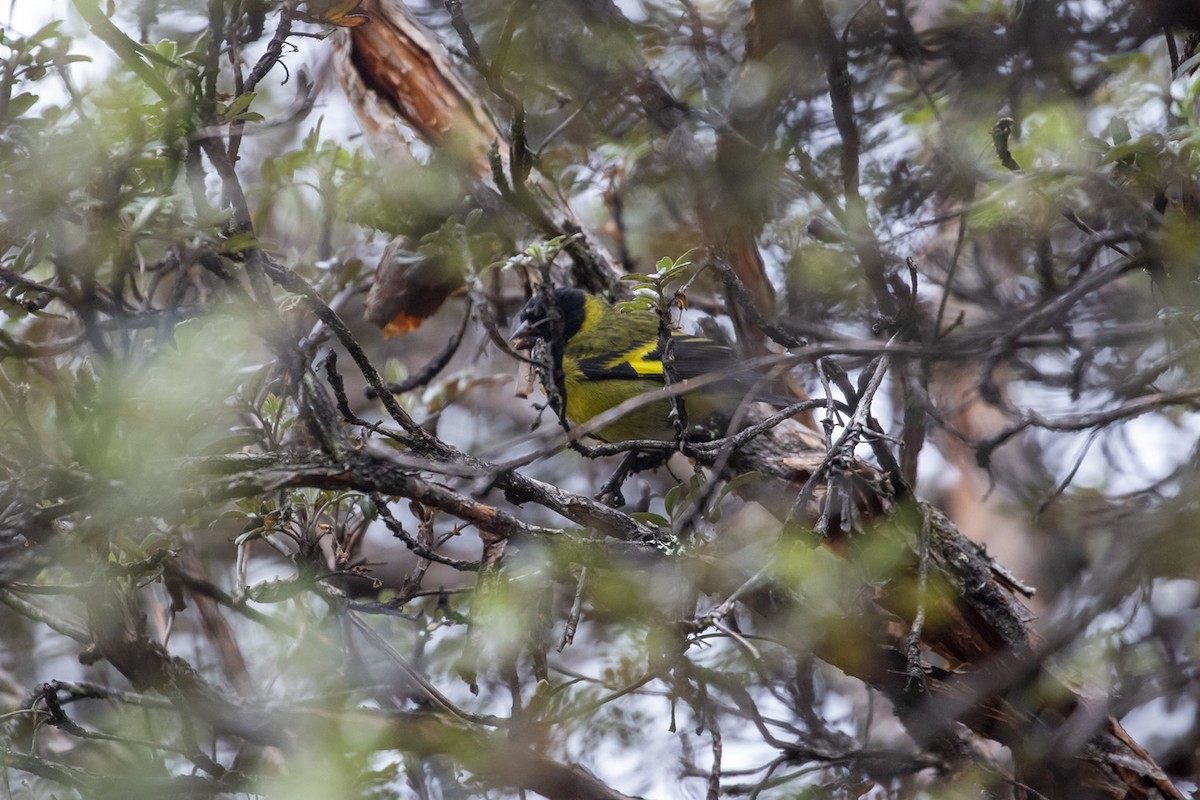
point(167, 49)
point(253, 533)
point(1118, 130)
point(272, 405)
point(48, 31)
point(20, 104)
point(1150, 144)
point(637, 304)
point(130, 52)
point(649, 518)
point(240, 104)
point(394, 371)
point(675, 498)
point(740, 481)
point(276, 591)
point(243, 240)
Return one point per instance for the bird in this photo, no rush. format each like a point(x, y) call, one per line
point(611, 355)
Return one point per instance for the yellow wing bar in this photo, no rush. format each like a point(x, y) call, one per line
point(694, 355)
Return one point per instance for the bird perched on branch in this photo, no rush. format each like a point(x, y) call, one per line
point(610, 356)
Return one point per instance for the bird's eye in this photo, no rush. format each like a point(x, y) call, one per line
point(533, 313)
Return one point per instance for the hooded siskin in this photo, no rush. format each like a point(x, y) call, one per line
point(610, 356)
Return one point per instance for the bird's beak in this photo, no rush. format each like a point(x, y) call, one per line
point(524, 337)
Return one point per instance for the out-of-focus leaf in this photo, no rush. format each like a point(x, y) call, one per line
point(130, 52)
point(21, 103)
point(276, 591)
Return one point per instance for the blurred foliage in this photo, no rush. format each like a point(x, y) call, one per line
point(204, 591)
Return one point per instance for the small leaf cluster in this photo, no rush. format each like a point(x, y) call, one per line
point(650, 289)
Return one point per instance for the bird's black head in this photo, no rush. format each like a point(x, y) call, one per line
point(535, 317)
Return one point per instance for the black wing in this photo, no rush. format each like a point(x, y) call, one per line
point(694, 355)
